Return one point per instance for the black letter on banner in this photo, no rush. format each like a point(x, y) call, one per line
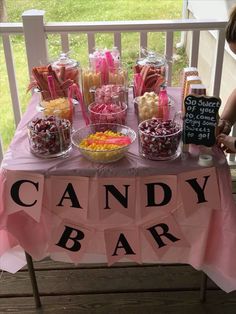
point(200, 191)
point(151, 194)
point(15, 192)
point(67, 236)
point(124, 244)
point(116, 193)
point(72, 196)
point(165, 233)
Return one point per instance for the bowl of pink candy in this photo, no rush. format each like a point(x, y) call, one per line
point(110, 93)
point(49, 136)
point(105, 142)
point(159, 140)
point(108, 112)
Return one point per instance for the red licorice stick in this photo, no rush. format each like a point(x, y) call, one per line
point(51, 87)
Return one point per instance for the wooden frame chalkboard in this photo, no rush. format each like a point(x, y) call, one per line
point(200, 120)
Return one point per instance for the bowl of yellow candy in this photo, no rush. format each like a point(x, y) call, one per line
point(103, 142)
point(59, 107)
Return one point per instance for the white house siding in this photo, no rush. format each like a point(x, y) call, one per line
point(209, 9)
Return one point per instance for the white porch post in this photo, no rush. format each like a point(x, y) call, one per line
point(35, 38)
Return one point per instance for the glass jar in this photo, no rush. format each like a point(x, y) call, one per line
point(108, 113)
point(67, 68)
point(49, 136)
point(149, 73)
point(59, 107)
point(91, 80)
point(159, 140)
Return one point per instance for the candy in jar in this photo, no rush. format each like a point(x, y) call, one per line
point(149, 74)
point(67, 68)
point(159, 140)
point(49, 136)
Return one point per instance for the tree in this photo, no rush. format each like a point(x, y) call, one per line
point(3, 11)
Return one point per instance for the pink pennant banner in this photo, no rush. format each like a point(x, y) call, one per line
point(163, 234)
point(70, 194)
point(24, 191)
point(199, 188)
point(122, 242)
point(116, 195)
point(71, 239)
point(158, 195)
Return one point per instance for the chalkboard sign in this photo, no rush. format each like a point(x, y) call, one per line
point(200, 120)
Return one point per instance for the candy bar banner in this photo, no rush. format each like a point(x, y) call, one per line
point(158, 194)
point(24, 191)
point(122, 242)
point(116, 195)
point(71, 238)
point(199, 188)
point(71, 193)
point(163, 234)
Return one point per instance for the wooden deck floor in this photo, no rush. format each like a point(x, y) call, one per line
point(122, 289)
point(151, 289)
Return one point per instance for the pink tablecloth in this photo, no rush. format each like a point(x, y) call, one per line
point(210, 232)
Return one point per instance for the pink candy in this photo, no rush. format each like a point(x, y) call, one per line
point(159, 140)
point(108, 113)
point(109, 93)
point(49, 136)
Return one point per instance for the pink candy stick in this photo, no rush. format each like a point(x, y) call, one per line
point(51, 87)
point(77, 92)
point(110, 61)
point(124, 140)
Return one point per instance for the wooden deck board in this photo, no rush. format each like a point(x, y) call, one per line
point(177, 302)
point(103, 280)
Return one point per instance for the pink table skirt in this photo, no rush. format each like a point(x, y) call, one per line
point(201, 233)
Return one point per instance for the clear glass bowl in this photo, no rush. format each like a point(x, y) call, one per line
point(159, 142)
point(107, 116)
point(103, 155)
point(49, 137)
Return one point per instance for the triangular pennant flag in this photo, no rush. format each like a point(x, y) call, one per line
point(199, 188)
point(158, 194)
point(116, 195)
point(122, 242)
point(163, 234)
point(72, 239)
point(70, 192)
point(24, 191)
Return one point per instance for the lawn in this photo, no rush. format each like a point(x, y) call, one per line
point(83, 10)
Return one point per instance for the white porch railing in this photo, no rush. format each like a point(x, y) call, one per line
point(35, 32)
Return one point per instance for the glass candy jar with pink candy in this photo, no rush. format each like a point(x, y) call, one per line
point(108, 112)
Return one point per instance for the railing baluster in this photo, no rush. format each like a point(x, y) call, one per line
point(117, 40)
point(12, 78)
point(169, 55)
point(220, 46)
point(195, 49)
point(65, 42)
point(143, 40)
point(91, 42)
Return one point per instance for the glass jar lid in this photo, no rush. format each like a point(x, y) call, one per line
point(151, 58)
point(65, 61)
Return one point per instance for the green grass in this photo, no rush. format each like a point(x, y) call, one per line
point(82, 10)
